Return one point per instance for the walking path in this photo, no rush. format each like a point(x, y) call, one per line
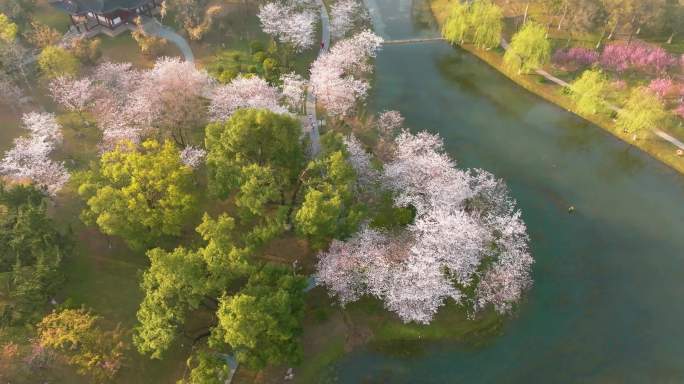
point(660, 133)
point(152, 26)
point(412, 41)
point(314, 134)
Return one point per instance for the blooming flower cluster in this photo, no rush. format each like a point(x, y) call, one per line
point(467, 242)
point(336, 76)
point(575, 58)
point(29, 158)
point(642, 57)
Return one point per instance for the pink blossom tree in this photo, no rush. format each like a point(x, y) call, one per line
point(466, 237)
point(337, 76)
point(292, 23)
point(244, 92)
point(345, 15)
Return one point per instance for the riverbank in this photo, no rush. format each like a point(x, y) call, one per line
point(537, 84)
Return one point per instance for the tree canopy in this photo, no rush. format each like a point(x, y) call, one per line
point(529, 48)
point(329, 209)
point(643, 110)
point(8, 29)
point(253, 137)
point(54, 62)
point(588, 92)
point(140, 194)
point(31, 250)
point(77, 334)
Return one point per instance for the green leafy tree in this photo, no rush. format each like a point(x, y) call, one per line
point(206, 367)
point(529, 48)
point(183, 280)
point(457, 23)
point(487, 23)
point(8, 30)
point(480, 20)
point(259, 186)
point(329, 209)
point(253, 136)
point(262, 322)
point(588, 92)
point(221, 280)
point(141, 195)
point(31, 250)
point(54, 62)
point(77, 334)
point(643, 110)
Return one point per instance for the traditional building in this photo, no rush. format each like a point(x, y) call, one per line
point(87, 15)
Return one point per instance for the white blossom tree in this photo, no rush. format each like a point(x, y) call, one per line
point(193, 157)
point(293, 90)
point(29, 158)
point(76, 95)
point(467, 236)
point(345, 15)
point(244, 92)
point(12, 95)
point(337, 75)
point(293, 23)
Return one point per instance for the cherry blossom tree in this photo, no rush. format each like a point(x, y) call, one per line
point(28, 159)
point(345, 15)
point(292, 23)
point(293, 89)
point(337, 75)
point(467, 242)
point(244, 92)
point(74, 95)
point(193, 157)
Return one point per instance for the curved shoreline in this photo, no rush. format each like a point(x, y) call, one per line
point(663, 150)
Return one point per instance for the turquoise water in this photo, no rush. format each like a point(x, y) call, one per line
point(607, 303)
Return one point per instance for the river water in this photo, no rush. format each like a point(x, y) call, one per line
point(606, 306)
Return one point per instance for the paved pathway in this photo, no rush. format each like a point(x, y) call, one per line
point(314, 134)
point(660, 133)
point(152, 26)
point(412, 41)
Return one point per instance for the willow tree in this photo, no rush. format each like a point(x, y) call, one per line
point(643, 110)
point(529, 48)
point(487, 24)
point(480, 22)
point(588, 92)
point(457, 23)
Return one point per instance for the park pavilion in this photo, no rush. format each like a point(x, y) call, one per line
point(87, 15)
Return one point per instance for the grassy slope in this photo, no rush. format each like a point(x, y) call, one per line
point(652, 145)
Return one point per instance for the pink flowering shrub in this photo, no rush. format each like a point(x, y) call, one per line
point(641, 57)
point(661, 87)
point(575, 58)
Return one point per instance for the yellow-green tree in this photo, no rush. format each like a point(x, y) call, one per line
point(457, 23)
point(479, 22)
point(140, 194)
point(643, 111)
point(487, 23)
point(54, 62)
point(588, 92)
point(78, 336)
point(8, 29)
point(529, 48)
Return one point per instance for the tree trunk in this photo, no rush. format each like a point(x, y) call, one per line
point(560, 22)
point(527, 6)
point(669, 39)
point(612, 31)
